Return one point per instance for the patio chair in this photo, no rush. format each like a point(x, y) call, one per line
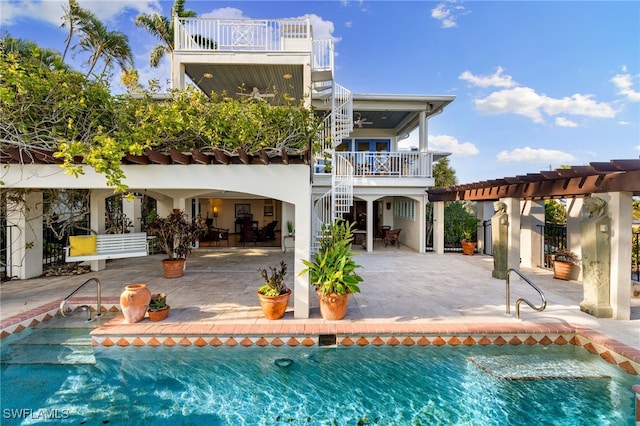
point(268, 232)
point(380, 232)
point(392, 237)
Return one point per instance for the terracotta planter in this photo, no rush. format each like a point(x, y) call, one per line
point(160, 314)
point(274, 307)
point(173, 268)
point(134, 302)
point(562, 270)
point(333, 306)
point(468, 247)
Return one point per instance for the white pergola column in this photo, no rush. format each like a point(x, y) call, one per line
point(531, 222)
point(133, 211)
point(484, 212)
point(370, 231)
point(438, 227)
point(98, 210)
point(24, 236)
point(620, 207)
point(575, 215)
point(513, 250)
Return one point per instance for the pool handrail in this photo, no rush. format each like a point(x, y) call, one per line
point(98, 297)
point(540, 308)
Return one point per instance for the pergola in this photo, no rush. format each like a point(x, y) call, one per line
point(616, 182)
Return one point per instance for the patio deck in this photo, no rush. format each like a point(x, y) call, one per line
point(403, 293)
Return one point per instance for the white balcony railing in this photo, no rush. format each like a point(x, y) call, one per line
point(390, 164)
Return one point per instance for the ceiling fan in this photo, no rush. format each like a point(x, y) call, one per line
point(256, 94)
point(360, 120)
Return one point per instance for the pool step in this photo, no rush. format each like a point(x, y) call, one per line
point(60, 346)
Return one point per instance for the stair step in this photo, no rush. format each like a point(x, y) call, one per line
point(48, 354)
point(61, 346)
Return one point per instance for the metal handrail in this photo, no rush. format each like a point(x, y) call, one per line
point(98, 298)
point(520, 300)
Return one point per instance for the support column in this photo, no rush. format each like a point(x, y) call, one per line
point(24, 232)
point(302, 288)
point(484, 211)
point(98, 209)
point(532, 221)
point(574, 218)
point(438, 227)
point(133, 211)
point(423, 143)
point(370, 231)
point(513, 251)
point(620, 210)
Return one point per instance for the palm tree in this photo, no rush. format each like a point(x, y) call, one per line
point(30, 51)
point(104, 44)
point(75, 18)
point(162, 28)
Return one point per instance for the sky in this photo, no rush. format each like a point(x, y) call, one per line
point(537, 85)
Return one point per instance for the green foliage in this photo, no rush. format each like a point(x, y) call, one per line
point(274, 284)
point(334, 270)
point(566, 256)
point(158, 302)
point(175, 234)
point(554, 212)
point(46, 105)
point(460, 222)
point(443, 174)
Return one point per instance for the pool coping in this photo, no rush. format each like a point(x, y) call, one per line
point(116, 333)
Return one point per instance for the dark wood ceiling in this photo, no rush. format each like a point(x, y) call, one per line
point(576, 181)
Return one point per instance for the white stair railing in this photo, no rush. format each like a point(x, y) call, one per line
point(337, 125)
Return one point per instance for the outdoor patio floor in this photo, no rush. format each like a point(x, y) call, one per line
point(401, 288)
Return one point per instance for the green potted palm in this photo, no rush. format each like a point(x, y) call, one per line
point(274, 293)
point(176, 236)
point(468, 233)
point(333, 271)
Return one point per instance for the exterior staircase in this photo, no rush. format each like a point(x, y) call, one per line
point(337, 125)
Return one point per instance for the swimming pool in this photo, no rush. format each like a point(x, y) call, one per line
point(326, 386)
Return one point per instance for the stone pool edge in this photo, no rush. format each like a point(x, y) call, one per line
point(116, 333)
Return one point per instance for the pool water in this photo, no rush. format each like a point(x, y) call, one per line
point(325, 386)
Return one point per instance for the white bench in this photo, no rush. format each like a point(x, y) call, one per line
point(114, 246)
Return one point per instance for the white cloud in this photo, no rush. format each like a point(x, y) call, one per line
point(496, 80)
point(225, 12)
point(447, 13)
point(565, 122)
point(624, 84)
point(519, 100)
point(450, 144)
point(531, 155)
point(51, 11)
point(525, 101)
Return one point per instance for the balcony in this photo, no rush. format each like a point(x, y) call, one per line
point(384, 164)
point(252, 35)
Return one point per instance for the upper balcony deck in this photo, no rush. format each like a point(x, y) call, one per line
point(210, 35)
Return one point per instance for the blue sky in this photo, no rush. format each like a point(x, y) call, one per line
point(537, 84)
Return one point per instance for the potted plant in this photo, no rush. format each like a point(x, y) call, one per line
point(333, 271)
point(563, 261)
point(290, 228)
point(175, 235)
point(468, 232)
point(274, 293)
point(158, 309)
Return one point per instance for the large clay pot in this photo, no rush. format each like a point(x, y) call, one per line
point(274, 307)
point(134, 302)
point(173, 268)
point(562, 270)
point(333, 306)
